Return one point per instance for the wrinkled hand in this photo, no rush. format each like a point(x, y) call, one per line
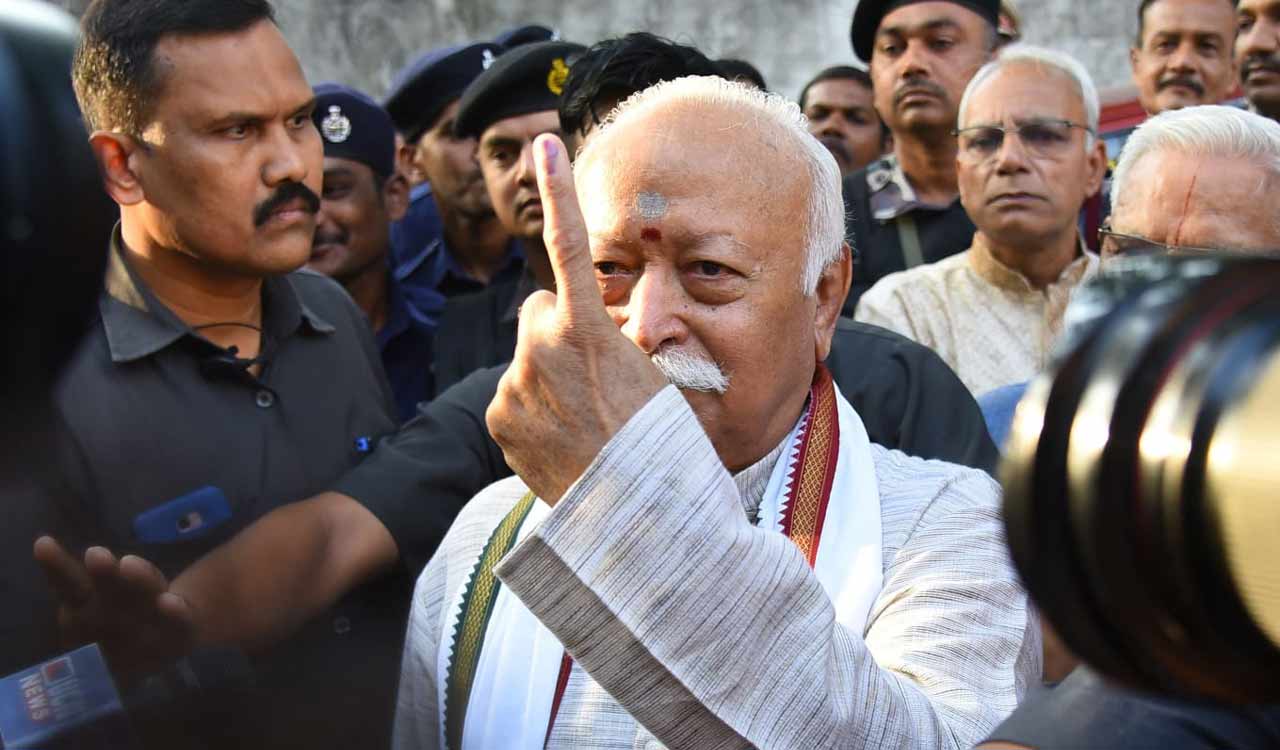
point(123, 605)
point(575, 379)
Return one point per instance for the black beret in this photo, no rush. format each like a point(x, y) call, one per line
point(429, 84)
point(355, 127)
point(867, 17)
point(524, 80)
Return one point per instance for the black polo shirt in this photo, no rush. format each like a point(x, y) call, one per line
point(156, 418)
point(417, 480)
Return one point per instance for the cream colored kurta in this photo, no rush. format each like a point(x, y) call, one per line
point(983, 318)
point(692, 628)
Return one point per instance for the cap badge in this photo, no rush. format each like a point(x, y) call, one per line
point(336, 128)
point(486, 59)
point(556, 78)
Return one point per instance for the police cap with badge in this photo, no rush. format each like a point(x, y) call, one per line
point(527, 79)
point(867, 17)
point(428, 85)
point(354, 126)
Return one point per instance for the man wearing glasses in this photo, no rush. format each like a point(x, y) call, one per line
point(1202, 181)
point(1028, 158)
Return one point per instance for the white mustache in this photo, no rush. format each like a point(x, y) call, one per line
point(690, 372)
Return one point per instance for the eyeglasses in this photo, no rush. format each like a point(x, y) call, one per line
point(1131, 245)
point(1042, 138)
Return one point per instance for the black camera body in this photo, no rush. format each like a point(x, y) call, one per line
point(1142, 479)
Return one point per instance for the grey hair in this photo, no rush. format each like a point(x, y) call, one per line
point(1060, 61)
point(824, 224)
point(1210, 130)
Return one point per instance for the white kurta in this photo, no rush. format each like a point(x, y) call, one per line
point(983, 318)
point(707, 632)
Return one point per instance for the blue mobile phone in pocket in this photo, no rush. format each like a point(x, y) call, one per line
point(190, 516)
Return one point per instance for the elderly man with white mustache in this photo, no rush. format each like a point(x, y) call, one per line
point(702, 548)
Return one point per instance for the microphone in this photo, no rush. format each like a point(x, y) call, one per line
point(72, 701)
point(227, 365)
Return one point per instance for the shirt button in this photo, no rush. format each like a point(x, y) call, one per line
point(341, 625)
point(265, 399)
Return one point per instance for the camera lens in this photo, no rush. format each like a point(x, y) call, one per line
point(1138, 494)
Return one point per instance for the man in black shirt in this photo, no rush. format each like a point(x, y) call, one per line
point(904, 210)
point(217, 383)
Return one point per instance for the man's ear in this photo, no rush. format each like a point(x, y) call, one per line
point(395, 196)
point(407, 160)
point(1097, 161)
point(833, 288)
point(118, 156)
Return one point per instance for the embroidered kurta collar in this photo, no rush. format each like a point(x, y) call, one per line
point(991, 270)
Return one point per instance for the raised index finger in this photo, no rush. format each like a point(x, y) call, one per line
point(565, 232)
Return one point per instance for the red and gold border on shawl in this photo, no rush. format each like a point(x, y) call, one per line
point(809, 489)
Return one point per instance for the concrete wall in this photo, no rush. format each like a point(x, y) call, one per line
point(363, 42)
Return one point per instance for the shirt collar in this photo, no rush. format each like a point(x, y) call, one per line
point(138, 325)
point(985, 264)
point(891, 194)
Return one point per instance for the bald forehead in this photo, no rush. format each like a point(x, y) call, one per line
point(676, 134)
point(1035, 75)
point(714, 160)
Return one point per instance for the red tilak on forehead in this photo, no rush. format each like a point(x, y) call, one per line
point(651, 234)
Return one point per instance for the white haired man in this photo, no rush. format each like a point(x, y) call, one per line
point(701, 548)
point(1189, 181)
point(1181, 174)
point(1028, 159)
